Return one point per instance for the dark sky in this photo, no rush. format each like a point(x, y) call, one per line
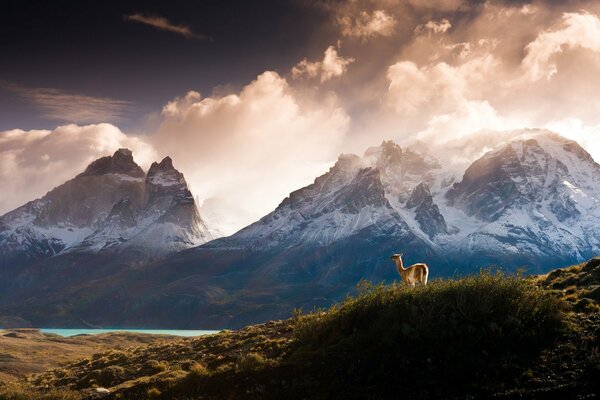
point(88, 47)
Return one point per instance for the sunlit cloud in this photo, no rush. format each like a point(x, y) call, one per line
point(367, 25)
point(33, 162)
point(330, 66)
point(435, 26)
point(64, 106)
point(575, 30)
point(164, 24)
point(451, 79)
point(251, 148)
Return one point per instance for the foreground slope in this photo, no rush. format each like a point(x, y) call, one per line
point(487, 336)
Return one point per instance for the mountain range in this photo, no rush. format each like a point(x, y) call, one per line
point(118, 247)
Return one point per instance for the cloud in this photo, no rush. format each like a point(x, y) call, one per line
point(254, 147)
point(479, 75)
point(441, 26)
point(66, 106)
point(331, 66)
point(575, 30)
point(164, 24)
point(366, 25)
point(33, 162)
point(438, 89)
point(367, 19)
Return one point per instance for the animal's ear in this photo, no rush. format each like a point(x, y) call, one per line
point(401, 254)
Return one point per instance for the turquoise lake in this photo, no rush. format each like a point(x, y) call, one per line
point(174, 332)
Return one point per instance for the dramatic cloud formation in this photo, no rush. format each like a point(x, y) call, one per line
point(439, 74)
point(447, 83)
point(164, 25)
point(245, 147)
point(331, 66)
point(65, 106)
point(33, 162)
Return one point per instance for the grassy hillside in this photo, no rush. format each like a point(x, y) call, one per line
point(483, 336)
point(27, 351)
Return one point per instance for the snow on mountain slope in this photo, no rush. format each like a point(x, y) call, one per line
point(348, 198)
point(164, 222)
point(109, 204)
point(358, 197)
point(529, 200)
point(536, 195)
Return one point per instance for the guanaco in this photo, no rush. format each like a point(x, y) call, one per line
point(416, 273)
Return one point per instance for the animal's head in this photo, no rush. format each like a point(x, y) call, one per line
point(396, 256)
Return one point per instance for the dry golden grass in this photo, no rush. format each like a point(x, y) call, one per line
point(26, 351)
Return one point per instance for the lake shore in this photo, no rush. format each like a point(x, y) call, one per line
point(170, 332)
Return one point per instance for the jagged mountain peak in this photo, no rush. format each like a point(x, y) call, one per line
point(388, 152)
point(165, 164)
point(121, 162)
point(420, 194)
point(426, 212)
point(165, 175)
point(401, 169)
point(391, 154)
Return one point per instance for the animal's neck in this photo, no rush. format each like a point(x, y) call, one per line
point(400, 265)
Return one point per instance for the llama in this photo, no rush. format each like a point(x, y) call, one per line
point(416, 273)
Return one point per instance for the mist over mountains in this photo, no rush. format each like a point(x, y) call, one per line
point(116, 246)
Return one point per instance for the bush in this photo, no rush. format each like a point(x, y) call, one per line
point(198, 370)
point(456, 332)
point(153, 393)
point(251, 362)
point(154, 366)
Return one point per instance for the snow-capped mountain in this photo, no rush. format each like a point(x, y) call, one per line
point(111, 206)
point(348, 198)
point(531, 200)
point(534, 201)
